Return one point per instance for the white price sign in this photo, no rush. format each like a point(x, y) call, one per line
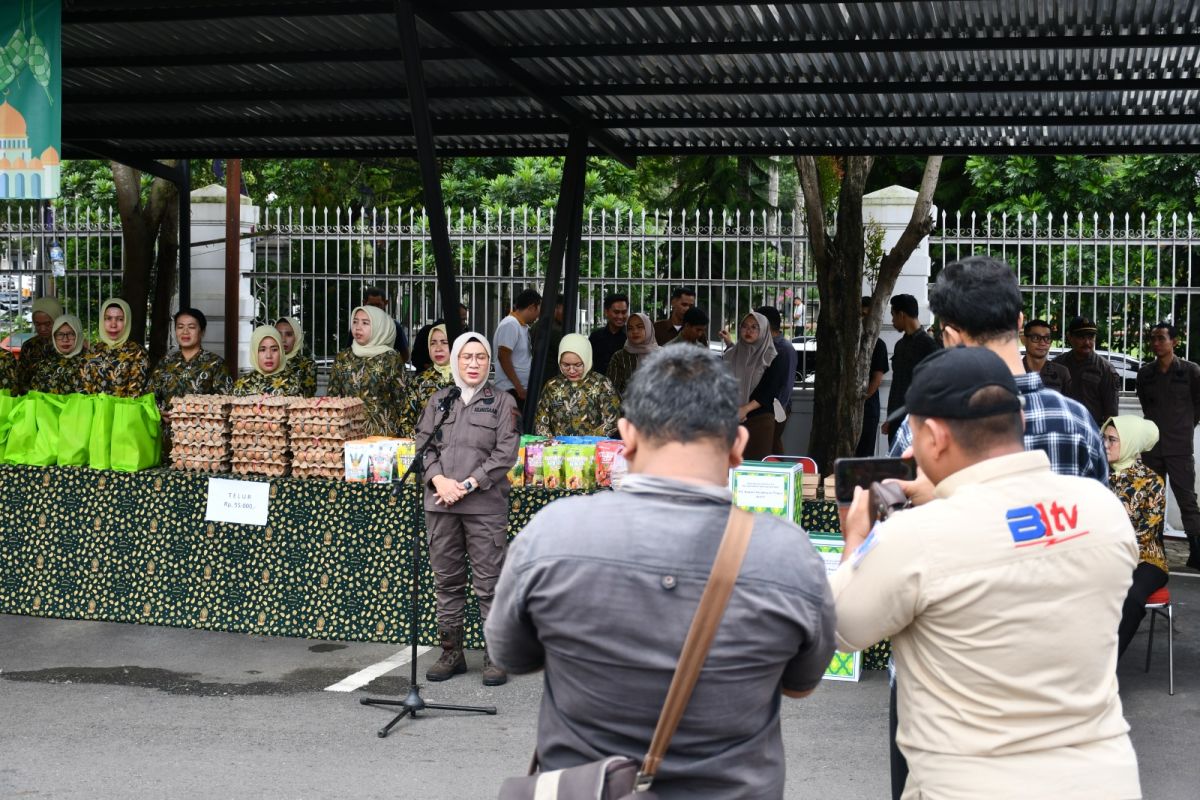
point(239, 502)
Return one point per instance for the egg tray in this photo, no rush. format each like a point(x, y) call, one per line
point(260, 441)
point(260, 425)
point(337, 406)
point(199, 437)
point(260, 468)
point(310, 443)
point(200, 451)
point(208, 405)
point(332, 473)
point(318, 457)
point(199, 464)
point(260, 406)
point(346, 429)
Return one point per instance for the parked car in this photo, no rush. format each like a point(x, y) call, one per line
point(1126, 366)
point(12, 343)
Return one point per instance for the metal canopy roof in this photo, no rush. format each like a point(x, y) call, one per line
point(325, 77)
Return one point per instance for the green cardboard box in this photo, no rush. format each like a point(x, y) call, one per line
point(769, 488)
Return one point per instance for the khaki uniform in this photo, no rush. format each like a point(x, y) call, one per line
point(479, 440)
point(1171, 400)
point(1002, 598)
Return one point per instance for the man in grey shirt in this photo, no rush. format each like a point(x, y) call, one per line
point(600, 591)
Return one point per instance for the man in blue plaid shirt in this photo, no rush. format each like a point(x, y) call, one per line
point(978, 303)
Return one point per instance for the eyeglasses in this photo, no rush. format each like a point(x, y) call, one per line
point(1112, 439)
point(473, 358)
point(1038, 337)
point(565, 365)
point(65, 337)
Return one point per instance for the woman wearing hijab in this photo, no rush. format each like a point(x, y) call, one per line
point(116, 365)
point(63, 372)
point(437, 375)
point(372, 370)
point(466, 496)
point(760, 376)
point(299, 360)
point(577, 402)
point(639, 343)
point(189, 369)
point(40, 346)
point(270, 374)
point(1143, 494)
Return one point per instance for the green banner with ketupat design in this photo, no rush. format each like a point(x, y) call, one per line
point(31, 111)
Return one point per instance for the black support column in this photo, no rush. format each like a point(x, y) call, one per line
point(184, 210)
point(431, 179)
point(568, 216)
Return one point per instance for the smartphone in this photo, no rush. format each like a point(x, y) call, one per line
point(851, 472)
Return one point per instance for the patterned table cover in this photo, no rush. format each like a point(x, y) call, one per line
point(332, 562)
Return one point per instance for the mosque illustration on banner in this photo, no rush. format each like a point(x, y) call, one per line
point(23, 177)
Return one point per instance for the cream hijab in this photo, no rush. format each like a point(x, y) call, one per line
point(383, 332)
point(750, 361)
point(256, 338)
point(48, 306)
point(124, 337)
point(468, 391)
point(445, 370)
point(74, 324)
point(578, 344)
point(299, 343)
point(1137, 436)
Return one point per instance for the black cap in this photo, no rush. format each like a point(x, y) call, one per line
point(695, 316)
point(944, 382)
point(1081, 325)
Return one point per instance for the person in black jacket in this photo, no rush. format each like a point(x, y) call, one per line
point(760, 375)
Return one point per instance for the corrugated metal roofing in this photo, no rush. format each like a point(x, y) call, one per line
point(324, 77)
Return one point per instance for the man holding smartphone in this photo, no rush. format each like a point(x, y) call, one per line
point(960, 585)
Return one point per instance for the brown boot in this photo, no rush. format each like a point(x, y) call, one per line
point(452, 661)
point(492, 674)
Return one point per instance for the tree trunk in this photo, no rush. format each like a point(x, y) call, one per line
point(141, 225)
point(166, 271)
point(843, 337)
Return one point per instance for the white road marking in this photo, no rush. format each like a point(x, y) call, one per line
point(365, 676)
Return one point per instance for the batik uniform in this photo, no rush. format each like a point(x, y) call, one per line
point(282, 383)
point(421, 389)
point(379, 381)
point(119, 371)
point(621, 369)
point(9, 374)
point(60, 374)
point(33, 352)
point(305, 369)
point(589, 407)
point(1141, 490)
point(175, 376)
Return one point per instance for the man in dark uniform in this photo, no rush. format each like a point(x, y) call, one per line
point(1169, 391)
point(1094, 382)
point(609, 339)
point(669, 328)
point(1037, 347)
point(879, 368)
point(913, 346)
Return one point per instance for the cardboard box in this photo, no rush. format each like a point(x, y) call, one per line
point(769, 487)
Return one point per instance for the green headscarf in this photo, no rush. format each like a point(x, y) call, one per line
point(383, 332)
point(124, 337)
point(1137, 436)
point(296, 329)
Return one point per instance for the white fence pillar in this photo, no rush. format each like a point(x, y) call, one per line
point(891, 209)
point(208, 269)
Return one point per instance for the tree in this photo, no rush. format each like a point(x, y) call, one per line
point(843, 337)
point(150, 244)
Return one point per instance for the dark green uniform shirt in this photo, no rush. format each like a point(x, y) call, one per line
point(1171, 400)
point(120, 371)
point(176, 376)
point(589, 407)
point(380, 382)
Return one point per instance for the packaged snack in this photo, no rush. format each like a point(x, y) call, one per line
point(606, 451)
point(579, 467)
point(620, 468)
point(533, 464)
point(406, 451)
point(516, 475)
point(382, 463)
point(552, 466)
point(358, 461)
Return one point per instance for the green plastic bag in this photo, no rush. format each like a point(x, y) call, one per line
point(7, 404)
point(33, 435)
point(75, 429)
point(48, 408)
point(135, 434)
point(100, 437)
point(22, 432)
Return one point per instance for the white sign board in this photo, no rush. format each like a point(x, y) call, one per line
point(239, 502)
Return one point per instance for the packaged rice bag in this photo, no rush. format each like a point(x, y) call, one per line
point(606, 451)
point(552, 466)
point(579, 467)
point(533, 464)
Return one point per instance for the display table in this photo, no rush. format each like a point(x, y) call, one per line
point(332, 562)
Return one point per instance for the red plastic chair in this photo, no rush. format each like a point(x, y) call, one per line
point(1160, 603)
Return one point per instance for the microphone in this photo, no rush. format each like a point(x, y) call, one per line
point(449, 399)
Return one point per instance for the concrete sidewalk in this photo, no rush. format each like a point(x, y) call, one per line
point(114, 711)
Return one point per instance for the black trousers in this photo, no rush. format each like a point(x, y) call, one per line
point(870, 432)
point(1181, 472)
point(896, 760)
point(1147, 579)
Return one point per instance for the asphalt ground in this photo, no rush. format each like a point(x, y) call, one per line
point(103, 710)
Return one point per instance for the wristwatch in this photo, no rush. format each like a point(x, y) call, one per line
point(470, 484)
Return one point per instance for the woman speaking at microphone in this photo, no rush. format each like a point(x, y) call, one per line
point(466, 496)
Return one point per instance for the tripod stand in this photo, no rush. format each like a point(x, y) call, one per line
point(414, 703)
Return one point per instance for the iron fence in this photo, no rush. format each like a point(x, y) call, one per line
point(1126, 273)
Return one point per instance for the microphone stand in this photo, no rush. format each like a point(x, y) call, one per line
point(414, 703)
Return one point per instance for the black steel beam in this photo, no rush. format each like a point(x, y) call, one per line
point(184, 210)
point(431, 178)
point(156, 61)
point(132, 11)
point(465, 37)
point(259, 97)
point(574, 245)
point(570, 198)
point(140, 162)
point(83, 130)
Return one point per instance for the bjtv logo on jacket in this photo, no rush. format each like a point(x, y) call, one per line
point(1039, 525)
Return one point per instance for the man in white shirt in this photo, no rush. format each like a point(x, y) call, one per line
point(514, 354)
point(1001, 595)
